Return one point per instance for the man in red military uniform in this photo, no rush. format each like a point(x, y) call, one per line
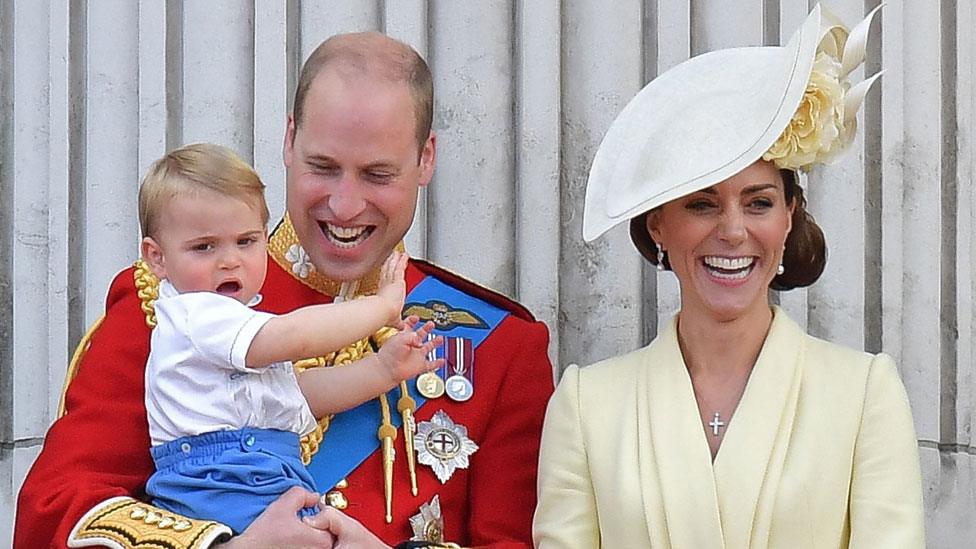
point(357, 148)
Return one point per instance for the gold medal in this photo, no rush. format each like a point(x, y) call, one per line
point(430, 385)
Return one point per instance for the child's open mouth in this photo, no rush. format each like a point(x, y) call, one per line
point(230, 287)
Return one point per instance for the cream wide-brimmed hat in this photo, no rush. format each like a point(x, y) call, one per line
point(713, 115)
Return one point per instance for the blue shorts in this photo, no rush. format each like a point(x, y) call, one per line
point(227, 476)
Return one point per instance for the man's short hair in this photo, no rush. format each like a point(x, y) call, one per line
point(192, 168)
point(374, 54)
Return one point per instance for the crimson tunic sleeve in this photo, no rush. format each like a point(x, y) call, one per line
point(100, 448)
point(501, 510)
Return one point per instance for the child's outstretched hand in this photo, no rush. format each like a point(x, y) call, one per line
point(392, 286)
point(404, 355)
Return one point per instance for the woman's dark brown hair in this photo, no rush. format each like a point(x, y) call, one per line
point(806, 250)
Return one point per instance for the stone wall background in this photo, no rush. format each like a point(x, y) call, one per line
point(91, 91)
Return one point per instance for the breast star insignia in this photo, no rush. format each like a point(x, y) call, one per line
point(444, 317)
point(428, 524)
point(443, 445)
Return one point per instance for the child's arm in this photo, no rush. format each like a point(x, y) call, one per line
point(339, 388)
point(318, 330)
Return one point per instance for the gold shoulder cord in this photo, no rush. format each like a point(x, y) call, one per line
point(287, 252)
point(387, 432)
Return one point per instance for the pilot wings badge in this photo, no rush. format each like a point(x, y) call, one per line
point(444, 317)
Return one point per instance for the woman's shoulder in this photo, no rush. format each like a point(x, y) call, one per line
point(615, 366)
point(605, 378)
point(840, 364)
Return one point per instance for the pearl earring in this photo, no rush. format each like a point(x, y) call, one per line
point(660, 258)
point(780, 270)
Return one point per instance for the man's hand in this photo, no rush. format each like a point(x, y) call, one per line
point(405, 355)
point(392, 287)
point(280, 526)
point(348, 532)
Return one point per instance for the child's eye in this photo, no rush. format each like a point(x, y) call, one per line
point(246, 241)
point(203, 247)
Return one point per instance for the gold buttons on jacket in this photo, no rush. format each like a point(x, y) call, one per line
point(335, 498)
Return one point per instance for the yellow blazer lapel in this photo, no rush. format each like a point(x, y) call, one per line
point(675, 463)
point(749, 463)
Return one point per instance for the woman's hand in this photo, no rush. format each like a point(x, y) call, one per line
point(348, 532)
point(280, 526)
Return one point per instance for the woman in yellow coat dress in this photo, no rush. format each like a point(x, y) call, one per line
point(733, 428)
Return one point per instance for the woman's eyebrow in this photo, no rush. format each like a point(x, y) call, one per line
point(758, 188)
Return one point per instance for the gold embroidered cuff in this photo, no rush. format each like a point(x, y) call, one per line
point(126, 523)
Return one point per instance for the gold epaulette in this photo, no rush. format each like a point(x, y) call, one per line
point(125, 523)
point(147, 287)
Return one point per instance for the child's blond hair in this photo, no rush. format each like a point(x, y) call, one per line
point(194, 167)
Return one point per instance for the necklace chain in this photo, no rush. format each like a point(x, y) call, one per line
point(716, 423)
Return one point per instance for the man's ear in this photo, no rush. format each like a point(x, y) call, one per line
point(428, 157)
point(152, 253)
point(288, 148)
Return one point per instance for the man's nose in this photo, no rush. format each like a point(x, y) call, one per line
point(346, 200)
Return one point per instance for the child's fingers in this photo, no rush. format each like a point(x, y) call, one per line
point(390, 270)
point(400, 266)
point(432, 344)
point(431, 365)
point(426, 328)
point(410, 322)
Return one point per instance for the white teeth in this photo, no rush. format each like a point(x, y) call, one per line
point(346, 237)
point(346, 232)
point(729, 268)
point(730, 276)
point(729, 263)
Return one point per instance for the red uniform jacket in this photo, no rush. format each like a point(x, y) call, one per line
point(100, 448)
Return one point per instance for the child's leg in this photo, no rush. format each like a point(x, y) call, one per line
point(227, 476)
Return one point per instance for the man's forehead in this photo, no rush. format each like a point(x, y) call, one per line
point(345, 75)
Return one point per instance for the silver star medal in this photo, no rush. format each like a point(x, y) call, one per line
point(428, 524)
point(443, 445)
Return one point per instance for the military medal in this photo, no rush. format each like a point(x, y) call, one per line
point(458, 388)
point(459, 361)
point(428, 524)
point(443, 445)
point(430, 385)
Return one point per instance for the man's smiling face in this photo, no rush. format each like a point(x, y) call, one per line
point(354, 170)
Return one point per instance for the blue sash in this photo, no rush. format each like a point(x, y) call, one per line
point(351, 437)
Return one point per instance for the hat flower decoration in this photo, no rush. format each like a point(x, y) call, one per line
point(825, 122)
point(713, 115)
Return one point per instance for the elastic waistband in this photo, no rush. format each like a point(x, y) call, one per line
point(281, 443)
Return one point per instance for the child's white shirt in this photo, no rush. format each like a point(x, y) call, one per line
point(196, 379)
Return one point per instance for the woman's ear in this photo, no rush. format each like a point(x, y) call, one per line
point(653, 222)
point(152, 253)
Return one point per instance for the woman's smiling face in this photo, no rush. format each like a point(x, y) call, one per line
point(725, 243)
